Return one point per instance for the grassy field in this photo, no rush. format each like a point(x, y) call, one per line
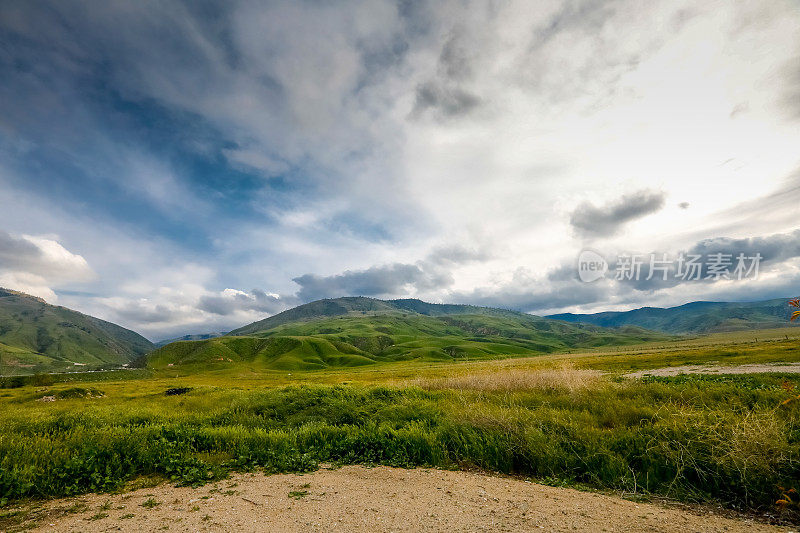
point(559, 418)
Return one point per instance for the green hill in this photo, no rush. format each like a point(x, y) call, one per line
point(695, 317)
point(357, 331)
point(38, 337)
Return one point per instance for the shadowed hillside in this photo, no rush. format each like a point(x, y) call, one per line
point(38, 337)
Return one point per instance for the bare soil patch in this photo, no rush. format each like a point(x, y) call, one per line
point(357, 498)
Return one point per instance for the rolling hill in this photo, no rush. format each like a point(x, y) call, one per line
point(38, 337)
point(357, 331)
point(695, 317)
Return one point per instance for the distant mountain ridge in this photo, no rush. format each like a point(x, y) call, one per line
point(331, 307)
point(693, 317)
point(355, 331)
point(190, 337)
point(38, 337)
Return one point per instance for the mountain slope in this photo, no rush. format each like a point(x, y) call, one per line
point(316, 310)
point(352, 331)
point(38, 337)
point(695, 317)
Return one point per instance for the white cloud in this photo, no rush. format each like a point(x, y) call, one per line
point(36, 264)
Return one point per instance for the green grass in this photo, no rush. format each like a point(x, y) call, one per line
point(552, 418)
point(150, 503)
point(721, 440)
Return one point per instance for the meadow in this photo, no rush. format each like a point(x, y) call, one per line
point(562, 419)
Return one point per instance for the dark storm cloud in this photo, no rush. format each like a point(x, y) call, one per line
point(773, 248)
point(429, 274)
point(375, 281)
point(591, 221)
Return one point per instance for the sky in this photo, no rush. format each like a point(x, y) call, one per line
point(189, 167)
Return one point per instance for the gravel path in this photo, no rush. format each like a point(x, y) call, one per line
point(357, 498)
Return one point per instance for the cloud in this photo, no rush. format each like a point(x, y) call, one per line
point(772, 248)
point(790, 100)
point(265, 142)
point(447, 101)
point(527, 293)
point(256, 159)
point(231, 301)
point(591, 221)
point(459, 254)
point(432, 273)
point(455, 61)
point(777, 208)
point(18, 252)
point(35, 265)
point(384, 280)
point(167, 311)
point(144, 312)
point(446, 95)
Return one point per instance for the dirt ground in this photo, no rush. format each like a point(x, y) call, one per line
point(787, 368)
point(357, 498)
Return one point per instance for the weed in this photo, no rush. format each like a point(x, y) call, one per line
point(150, 503)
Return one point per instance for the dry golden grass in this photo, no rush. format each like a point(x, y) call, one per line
point(563, 378)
